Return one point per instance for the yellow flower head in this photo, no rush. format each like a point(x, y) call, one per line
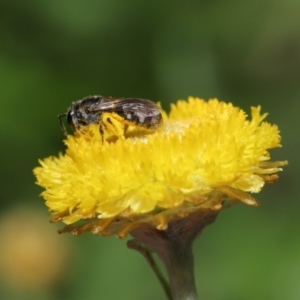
point(205, 154)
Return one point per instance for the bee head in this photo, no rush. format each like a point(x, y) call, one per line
point(73, 116)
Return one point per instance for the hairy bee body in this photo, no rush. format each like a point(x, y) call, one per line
point(114, 115)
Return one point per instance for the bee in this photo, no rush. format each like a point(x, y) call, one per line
point(117, 117)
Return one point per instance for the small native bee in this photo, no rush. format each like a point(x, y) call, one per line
point(114, 115)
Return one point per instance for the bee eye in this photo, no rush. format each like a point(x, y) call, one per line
point(69, 118)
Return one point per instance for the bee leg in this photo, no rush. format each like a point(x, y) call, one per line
point(125, 128)
point(113, 125)
point(101, 129)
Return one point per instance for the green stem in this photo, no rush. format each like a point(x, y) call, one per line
point(174, 247)
point(179, 262)
point(133, 244)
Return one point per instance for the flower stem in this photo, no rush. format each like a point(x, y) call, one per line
point(174, 247)
point(179, 262)
point(133, 244)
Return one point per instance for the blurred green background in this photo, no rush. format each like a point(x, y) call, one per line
point(55, 52)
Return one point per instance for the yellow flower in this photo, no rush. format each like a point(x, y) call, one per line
point(205, 154)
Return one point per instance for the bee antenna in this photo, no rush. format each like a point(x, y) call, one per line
point(63, 128)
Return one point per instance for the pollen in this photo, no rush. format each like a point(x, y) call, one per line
point(207, 155)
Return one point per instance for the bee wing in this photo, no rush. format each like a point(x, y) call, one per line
point(98, 106)
point(121, 105)
point(139, 106)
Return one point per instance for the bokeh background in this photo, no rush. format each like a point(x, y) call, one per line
point(55, 52)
